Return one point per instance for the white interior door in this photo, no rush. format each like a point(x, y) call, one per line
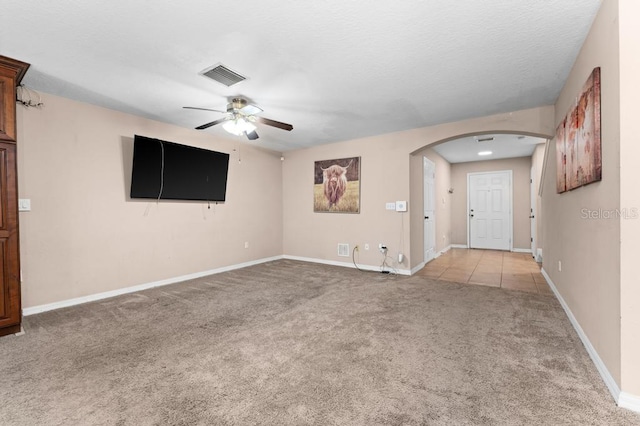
point(429, 210)
point(532, 216)
point(489, 196)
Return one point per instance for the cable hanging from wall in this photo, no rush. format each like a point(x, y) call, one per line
point(28, 97)
point(161, 172)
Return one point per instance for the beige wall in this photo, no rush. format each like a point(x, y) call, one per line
point(590, 249)
point(521, 169)
point(384, 178)
point(83, 237)
point(630, 194)
point(389, 173)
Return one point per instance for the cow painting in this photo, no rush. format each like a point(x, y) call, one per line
point(334, 182)
point(337, 185)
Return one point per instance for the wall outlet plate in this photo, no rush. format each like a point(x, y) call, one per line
point(24, 204)
point(401, 206)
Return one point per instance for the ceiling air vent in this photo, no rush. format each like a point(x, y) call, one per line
point(489, 139)
point(224, 75)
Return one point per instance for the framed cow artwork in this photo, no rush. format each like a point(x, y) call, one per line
point(336, 186)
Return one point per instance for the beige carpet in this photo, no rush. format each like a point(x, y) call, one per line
point(291, 343)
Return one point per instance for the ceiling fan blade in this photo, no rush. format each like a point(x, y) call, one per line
point(274, 123)
point(213, 123)
point(205, 109)
point(252, 135)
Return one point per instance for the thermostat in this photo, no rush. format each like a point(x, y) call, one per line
point(401, 206)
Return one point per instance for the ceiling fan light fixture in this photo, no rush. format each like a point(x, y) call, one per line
point(238, 126)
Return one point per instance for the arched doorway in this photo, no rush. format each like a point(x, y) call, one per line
point(443, 200)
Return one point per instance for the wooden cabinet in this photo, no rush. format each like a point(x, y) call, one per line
point(11, 72)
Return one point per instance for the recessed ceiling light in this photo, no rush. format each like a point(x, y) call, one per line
point(485, 153)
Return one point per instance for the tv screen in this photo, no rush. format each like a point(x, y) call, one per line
point(170, 171)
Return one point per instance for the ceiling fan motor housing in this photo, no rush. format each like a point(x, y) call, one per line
point(236, 104)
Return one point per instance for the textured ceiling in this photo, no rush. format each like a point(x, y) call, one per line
point(466, 149)
point(336, 70)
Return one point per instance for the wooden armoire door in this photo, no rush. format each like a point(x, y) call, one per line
point(11, 72)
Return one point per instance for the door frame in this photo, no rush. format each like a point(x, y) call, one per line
point(424, 201)
point(510, 173)
point(533, 217)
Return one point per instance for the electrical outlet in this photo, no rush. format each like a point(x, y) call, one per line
point(382, 247)
point(366, 246)
point(24, 204)
point(356, 248)
point(246, 244)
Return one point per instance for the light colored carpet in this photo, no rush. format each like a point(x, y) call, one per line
point(291, 343)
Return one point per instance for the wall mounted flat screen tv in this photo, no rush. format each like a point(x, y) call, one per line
point(169, 171)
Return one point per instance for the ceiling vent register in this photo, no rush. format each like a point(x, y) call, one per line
point(224, 75)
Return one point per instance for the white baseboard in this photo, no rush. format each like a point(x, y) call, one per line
point(629, 401)
point(344, 264)
point(437, 255)
point(443, 251)
point(459, 246)
point(417, 268)
point(107, 294)
point(608, 379)
point(521, 250)
point(539, 256)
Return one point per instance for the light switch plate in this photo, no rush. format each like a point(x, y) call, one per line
point(391, 206)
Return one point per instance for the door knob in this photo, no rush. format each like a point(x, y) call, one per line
point(471, 215)
point(531, 217)
point(426, 217)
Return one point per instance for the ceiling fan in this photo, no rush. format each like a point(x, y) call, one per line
point(239, 119)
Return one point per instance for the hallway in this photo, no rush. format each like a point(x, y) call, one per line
point(512, 271)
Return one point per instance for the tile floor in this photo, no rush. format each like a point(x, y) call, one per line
point(513, 271)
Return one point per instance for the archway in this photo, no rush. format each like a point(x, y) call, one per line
point(540, 129)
